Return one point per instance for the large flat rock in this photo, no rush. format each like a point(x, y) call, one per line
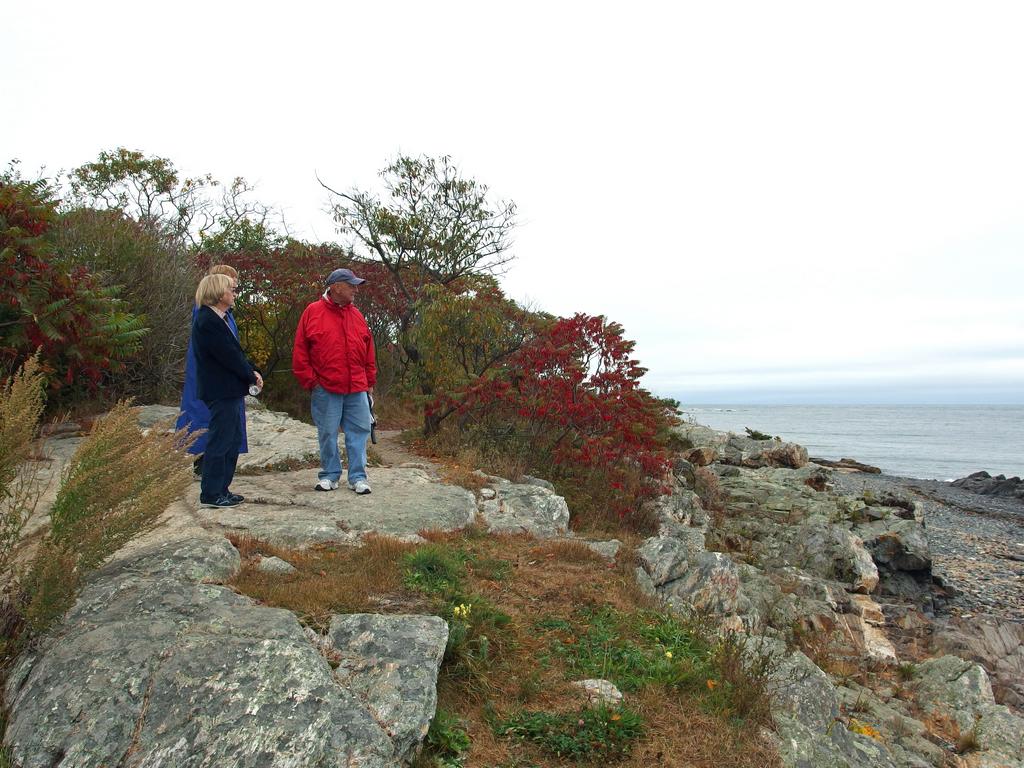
point(284, 509)
point(155, 667)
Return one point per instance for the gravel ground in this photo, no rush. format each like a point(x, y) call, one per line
point(977, 542)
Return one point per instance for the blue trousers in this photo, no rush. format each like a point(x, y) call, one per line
point(351, 413)
point(223, 439)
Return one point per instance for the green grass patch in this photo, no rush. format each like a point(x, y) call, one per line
point(632, 650)
point(477, 632)
point(592, 736)
point(446, 742)
point(434, 569)
point(491, 568)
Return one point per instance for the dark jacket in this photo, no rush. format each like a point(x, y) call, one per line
point(333, 348)
point(222, 368)
point(194, 414)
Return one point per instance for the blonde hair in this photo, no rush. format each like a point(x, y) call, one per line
point(211, 289)
point(223, 269)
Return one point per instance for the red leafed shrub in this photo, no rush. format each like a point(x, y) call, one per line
point(80, 328)
point(570, 404)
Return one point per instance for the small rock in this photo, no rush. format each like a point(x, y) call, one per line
point(600, 692)
point(275, 565)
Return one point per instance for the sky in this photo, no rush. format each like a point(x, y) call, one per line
point(780, 202)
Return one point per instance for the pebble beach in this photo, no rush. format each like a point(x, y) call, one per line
point(977, 542)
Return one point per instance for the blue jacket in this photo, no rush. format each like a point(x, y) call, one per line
point(194, 413)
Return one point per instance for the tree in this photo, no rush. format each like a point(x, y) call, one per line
point(147, 189)
point(470, 334)
point(156, 278)
point(434, 227)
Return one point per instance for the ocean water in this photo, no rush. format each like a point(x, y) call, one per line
point(936, 442)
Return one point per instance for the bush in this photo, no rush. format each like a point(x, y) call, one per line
point(591, 736)
point(156, 279)
point(115, 487)
point(569, 404)
point(80, 329)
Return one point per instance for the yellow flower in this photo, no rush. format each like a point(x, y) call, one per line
point(668, 654)
point(615, 716)
point(711, 684)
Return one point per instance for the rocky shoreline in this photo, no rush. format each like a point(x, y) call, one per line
point(976, 541)
point(891, 606)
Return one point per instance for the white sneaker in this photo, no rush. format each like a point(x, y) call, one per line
point(359, 486)
point(326, 485)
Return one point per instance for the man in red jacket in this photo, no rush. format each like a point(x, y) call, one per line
point(334, 358)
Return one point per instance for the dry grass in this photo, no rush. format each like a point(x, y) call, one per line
point(328, 580)
point(567, 551)
point(114, 488)
point(396, 413)
point(21, 404)
point(464, 477)
point(528, 581)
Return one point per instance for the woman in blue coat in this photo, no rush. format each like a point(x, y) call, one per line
point(223, 377)
point(194, 413)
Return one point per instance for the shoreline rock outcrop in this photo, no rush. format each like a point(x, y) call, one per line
point(986, 485)
point(158, 664)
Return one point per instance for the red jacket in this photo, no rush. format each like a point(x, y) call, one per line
point(334, 348)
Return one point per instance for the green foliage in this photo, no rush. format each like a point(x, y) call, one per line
point(592, 736)
point(635, 650)
point(446, 740)
point(476, 634)
point(434, 568)
point(147, 189)
point(241, 235)
point(126, 256)
point(754, 434)
point(465, 335)
point(906, 672)
point(433, 227)
point(477, 631)
point(632, 650)
point(432, 218)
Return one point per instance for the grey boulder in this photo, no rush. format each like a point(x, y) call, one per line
point(525, 508)
point(390, 662)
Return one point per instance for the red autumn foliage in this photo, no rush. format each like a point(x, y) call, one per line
point(574, 397)
point(52, 306)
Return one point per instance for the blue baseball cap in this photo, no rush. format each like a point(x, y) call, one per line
point(344, 275)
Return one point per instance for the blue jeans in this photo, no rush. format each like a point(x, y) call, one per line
point(352, 414)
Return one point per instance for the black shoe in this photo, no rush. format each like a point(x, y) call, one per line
point(221, 503)
point(236, 497)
